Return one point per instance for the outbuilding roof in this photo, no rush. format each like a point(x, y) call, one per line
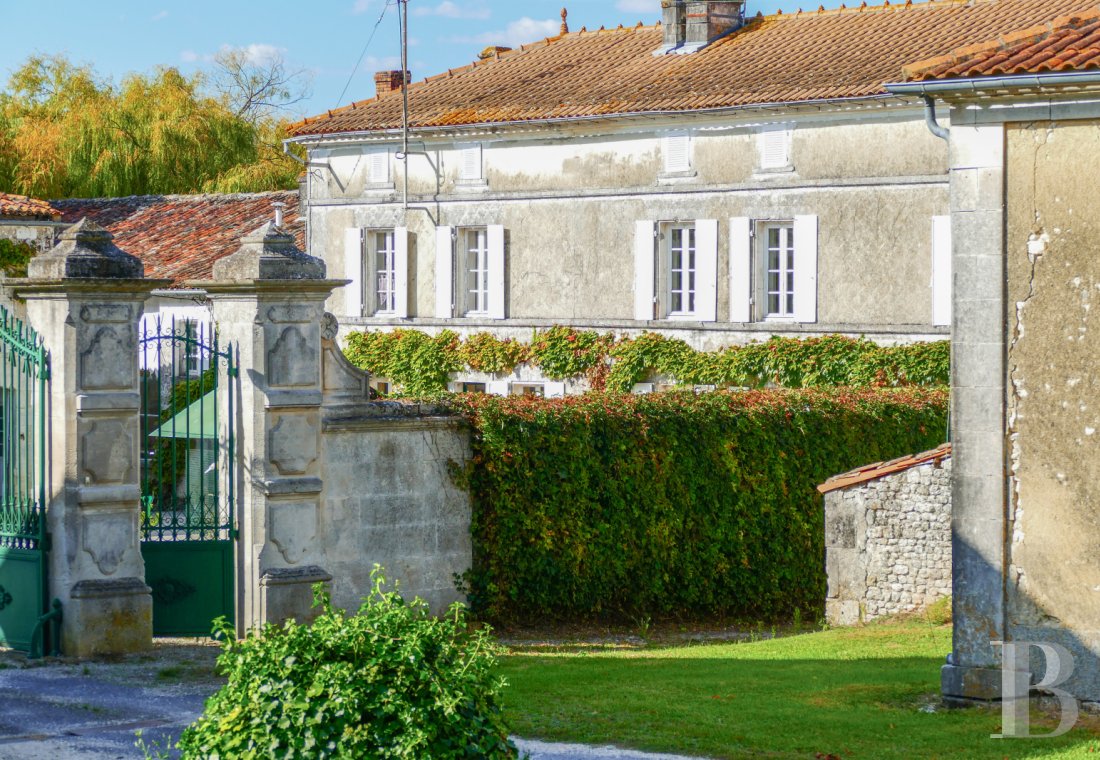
point(179, 237)
point(882, 469)
point(1068, 43)
point(22, 207)
point(788, 58)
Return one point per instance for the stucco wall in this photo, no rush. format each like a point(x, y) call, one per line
point(569, 202)
point(1053, 235)
point(888, 544)
point(388, 499)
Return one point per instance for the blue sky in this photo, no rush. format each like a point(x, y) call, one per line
point(324, 37)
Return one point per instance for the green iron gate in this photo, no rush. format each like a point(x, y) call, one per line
point(187, 477)
point(24, 540)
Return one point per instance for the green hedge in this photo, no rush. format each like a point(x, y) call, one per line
point(421, 364)
point(615, 506)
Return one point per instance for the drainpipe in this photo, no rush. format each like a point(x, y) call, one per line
point(934, 126)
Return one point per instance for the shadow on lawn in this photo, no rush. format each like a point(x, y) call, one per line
point(719, 702)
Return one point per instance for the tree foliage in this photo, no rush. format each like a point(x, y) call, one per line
point(66, 132)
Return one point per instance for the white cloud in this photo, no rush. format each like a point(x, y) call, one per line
point(258, 53)
point(190, 56)
point(639, 6)
point(517, 33)
point(361, 6)
point(160, 16)
point(448, 9)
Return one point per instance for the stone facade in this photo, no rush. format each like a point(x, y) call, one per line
point(888, 544)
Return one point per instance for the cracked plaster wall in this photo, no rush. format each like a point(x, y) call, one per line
point(1053, 399)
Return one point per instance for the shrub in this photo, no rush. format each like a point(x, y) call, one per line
point(418, 363)
point(388, 682)
point(618, 506)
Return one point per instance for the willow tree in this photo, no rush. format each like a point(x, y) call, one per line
point(66, 133)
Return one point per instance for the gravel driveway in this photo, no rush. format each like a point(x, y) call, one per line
point(91, 711)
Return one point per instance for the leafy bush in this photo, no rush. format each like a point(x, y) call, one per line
point(421, 365)
point(671, 504)
point(389, 682)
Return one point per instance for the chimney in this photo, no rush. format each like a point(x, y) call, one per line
point(389, 81)
point(691, 25)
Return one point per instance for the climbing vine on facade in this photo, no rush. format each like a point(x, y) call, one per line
point(421, 364)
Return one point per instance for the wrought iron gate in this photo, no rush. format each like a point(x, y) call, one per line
point(24, 540)
point(187, 476)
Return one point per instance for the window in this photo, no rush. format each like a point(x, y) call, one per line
point(773, 269)
point(777, 280)
point(376, 262)
point(676, 150)
point(528, 389)
point(470, 166)
point(471, 387)
point(380, 275)
point(775, 148)
point(469, 272)
point(191, 348)
point(676, 270)
point(678, 259)
point(474, 270)
point(378, 168)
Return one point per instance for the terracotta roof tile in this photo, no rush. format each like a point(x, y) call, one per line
point(817, 55)
point(882, 469)
point(22, 207)
point(179, 237)
point(1068, 43)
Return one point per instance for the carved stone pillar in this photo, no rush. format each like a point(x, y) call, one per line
point(85, 299)
point(268, 300)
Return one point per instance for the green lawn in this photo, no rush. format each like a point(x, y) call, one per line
point(868, 692)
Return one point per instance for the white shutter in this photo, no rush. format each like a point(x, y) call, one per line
point(401, 271)
point(740, 269)
point(496, 271)
point(470, 166)
point(775, 147)
point(379, 167)
point(353, 270)
point(677, 152)
point(941, 271)
point(805, 268)
point(706, 270)
point(497, 387)
point(444, 272)
point(553, 390)
point(643, 270)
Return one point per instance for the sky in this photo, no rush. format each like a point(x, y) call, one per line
point(325, 39)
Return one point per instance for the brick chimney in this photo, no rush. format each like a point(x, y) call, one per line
point(690, 25)
point(389, 81)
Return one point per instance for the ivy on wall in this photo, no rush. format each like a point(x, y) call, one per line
point(610, 506)
point(421, 364)
point(14, 257)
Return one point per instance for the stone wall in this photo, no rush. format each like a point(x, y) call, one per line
point(888, 544)
point(389, 499)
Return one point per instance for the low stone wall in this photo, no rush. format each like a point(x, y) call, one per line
point(888, 544)
point(389, 499)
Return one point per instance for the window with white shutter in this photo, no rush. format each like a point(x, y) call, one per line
point(645, 238)
point(805, 268)
point(740, 269)
point(353, 271)
point(470, 167)
point(379, 167)
point(775, 147)
point(401, 272)
point(676, 149)
point(444, 272)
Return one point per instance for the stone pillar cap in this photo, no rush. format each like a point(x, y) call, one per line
point(269, 253)
point(85, 251)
